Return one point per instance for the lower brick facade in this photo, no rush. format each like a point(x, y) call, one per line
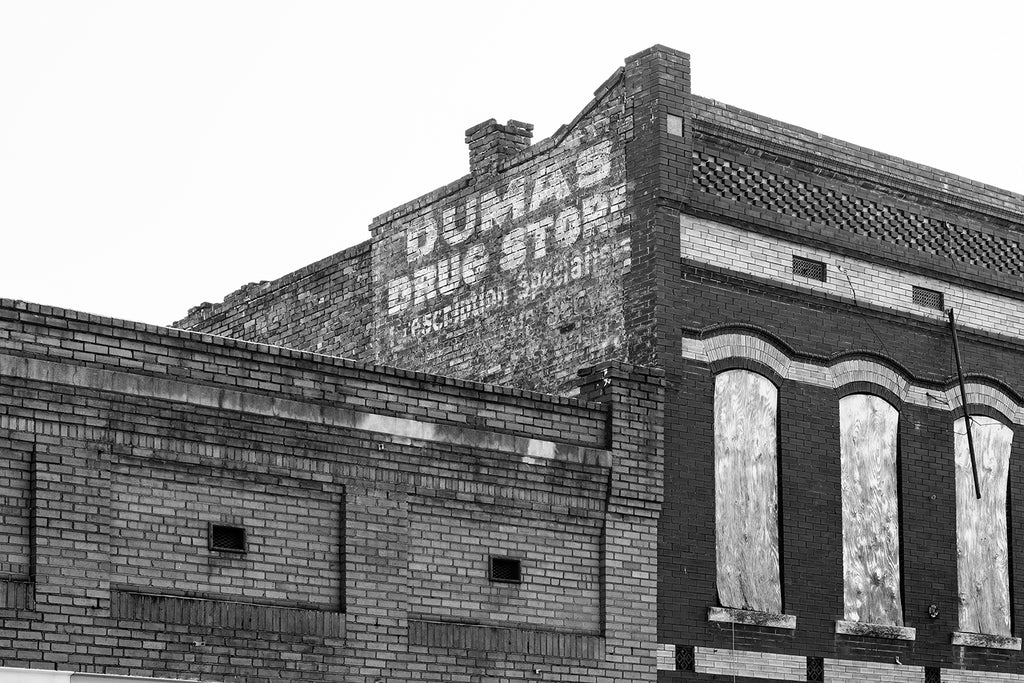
point(369, 516)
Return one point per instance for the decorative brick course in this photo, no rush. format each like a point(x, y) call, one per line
point(843, 209)
point(154, 608)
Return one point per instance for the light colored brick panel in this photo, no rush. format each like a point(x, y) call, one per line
point(962, 676)
point(695, 349)
point(750, 253)
point(849, 671)
point(666, 657)
point(448, 564)
point(768, 665)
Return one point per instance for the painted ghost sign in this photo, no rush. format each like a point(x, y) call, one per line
point(484, 232)
point(520, 262)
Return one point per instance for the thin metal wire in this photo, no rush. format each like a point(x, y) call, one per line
point(856, 302)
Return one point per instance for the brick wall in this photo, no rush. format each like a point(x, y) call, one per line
point(512, 274)
point(160, 514)
point(372, 499)
point(324, 307)
point(719, 200)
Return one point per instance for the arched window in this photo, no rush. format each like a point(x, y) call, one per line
point(746, 492)
point(871, 533)
point(981, 540)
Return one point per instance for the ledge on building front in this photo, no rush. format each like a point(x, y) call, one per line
point(731, 615)
point(858, 628)
point(986, 640)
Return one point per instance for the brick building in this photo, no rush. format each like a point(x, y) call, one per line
point(820, 519)
point(178, 506)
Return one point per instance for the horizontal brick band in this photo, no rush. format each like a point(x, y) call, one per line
point(842, 372)
point(754, 254)
point(767, 665)
point(770, 665)
point(396, 429)
point(850, 670)
point(170, 609)
point(500, 639)
point(969, 676)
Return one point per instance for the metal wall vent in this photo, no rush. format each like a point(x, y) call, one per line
point(684, 658)
point(505, 570)
point(228, 539)
point(928, 298)
point(809, 268)
point(815, 669)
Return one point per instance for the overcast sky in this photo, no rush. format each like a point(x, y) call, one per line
point(157, 154)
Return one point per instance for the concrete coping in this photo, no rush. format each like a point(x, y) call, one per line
point(986, 640)
point(751, 617)
point(860, 628)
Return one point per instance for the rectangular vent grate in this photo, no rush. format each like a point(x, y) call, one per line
point(932, 674)
point(684, 658)
point(228, 539)
point(505, 570)
point(805, 267)
point(815, 669)
point(928, 298)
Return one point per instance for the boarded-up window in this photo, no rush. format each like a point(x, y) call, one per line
point(746, 492)
point(981, 541)
point(871, 532)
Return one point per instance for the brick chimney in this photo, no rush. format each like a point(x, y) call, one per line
point(491, 143)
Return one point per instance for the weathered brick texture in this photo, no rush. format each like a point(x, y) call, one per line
point(372, 499)
point(323, 307)
point(659, 229)
point(512, 274)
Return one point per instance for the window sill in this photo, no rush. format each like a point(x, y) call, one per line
point(858, 628)
point(986, 640)
point(731, 615)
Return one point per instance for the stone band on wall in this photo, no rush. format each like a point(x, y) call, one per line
point(400, 429)
point(843, 371)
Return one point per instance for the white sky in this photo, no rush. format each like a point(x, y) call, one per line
point(157, 154)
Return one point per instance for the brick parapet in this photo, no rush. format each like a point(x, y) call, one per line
point(825, 154)
point(524, 156)
point(916, 238)
point(257, 289)
point(300, 310)
point(39, 332)
point(657, 82)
